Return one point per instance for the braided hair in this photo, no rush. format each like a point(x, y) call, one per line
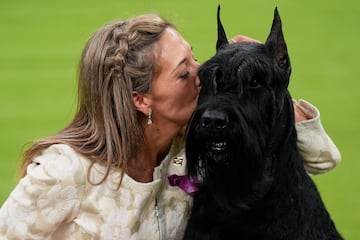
point(118, 59)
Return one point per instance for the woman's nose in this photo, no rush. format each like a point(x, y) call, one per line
point(196, 68)
point(197, 81)
point(197, 65)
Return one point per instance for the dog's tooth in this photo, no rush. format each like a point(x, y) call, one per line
point(220, 144)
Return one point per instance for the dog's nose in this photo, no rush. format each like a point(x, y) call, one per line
point(214, 119)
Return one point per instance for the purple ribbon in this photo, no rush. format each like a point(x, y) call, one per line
point(187, 184)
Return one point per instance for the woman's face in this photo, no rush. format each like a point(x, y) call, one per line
point(175, 90)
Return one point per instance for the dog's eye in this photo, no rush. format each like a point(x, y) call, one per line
point(254, 83)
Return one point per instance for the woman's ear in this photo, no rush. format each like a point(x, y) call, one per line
point(141, 102)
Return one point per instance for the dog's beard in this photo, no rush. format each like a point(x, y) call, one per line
point(217, 151)
point(207, 155)
point(222, 170)
point(234, 152)
point(209, 158)
point(210, 154)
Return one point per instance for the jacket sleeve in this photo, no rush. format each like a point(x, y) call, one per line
point(47, 196)
point(318, 150)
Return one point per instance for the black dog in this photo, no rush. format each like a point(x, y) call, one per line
point(241, 143)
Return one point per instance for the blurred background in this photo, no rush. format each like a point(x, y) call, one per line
point(41, 42)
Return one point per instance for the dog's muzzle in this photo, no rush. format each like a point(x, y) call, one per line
point(213, 123)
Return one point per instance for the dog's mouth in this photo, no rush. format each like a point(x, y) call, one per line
point(216, 151)
point(218, 146)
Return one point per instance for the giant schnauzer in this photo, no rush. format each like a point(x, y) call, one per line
point(241, 143)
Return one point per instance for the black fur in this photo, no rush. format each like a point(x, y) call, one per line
point(241, 142)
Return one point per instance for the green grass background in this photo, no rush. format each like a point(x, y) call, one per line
point(41, 42)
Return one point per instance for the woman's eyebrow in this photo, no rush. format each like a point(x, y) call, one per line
point(182, 61)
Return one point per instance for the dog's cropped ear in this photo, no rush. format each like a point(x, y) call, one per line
point(222, 39)
point(276, 44)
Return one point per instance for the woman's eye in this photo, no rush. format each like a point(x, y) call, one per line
point(185, 75)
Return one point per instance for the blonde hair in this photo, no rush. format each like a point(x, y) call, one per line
point(118, 59)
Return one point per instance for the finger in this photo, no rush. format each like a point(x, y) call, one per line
point(242, 38)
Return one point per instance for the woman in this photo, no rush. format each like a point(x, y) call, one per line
point(104, 176)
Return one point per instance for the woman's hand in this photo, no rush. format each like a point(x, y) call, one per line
point(242, 38)
point(299, 113)
point(304, 110)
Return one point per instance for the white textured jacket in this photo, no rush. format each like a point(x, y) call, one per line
point(55, 200)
